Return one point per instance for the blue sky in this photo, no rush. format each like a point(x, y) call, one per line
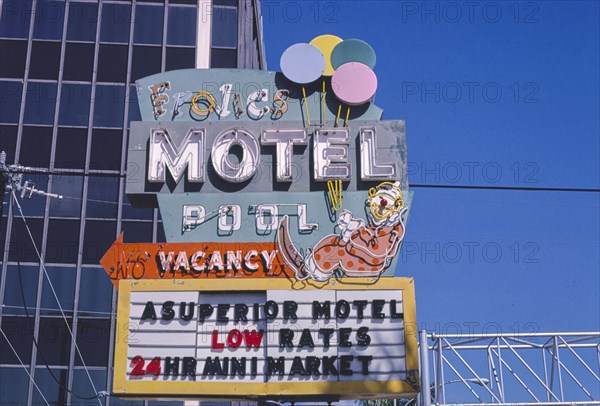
point(493, 94)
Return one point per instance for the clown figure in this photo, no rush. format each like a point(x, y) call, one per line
point(360, 248)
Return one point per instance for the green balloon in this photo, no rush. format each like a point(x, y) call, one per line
point(353, 50)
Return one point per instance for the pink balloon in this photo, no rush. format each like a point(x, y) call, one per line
point(354, 83)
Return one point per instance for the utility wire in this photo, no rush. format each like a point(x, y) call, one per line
point(44, 360)
point(95, 200)
point(512, 188)
point(415, 185)
point(543, 203)
point(56, 297)
point(24, 367)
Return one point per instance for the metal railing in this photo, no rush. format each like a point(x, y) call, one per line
point(517, 369)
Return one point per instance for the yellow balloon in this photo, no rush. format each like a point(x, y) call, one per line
point(326, 43)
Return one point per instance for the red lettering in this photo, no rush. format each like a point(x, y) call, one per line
point(215, 340)
point(154, 367)
point(253, 338)
point(234, 338)
point(138, 367)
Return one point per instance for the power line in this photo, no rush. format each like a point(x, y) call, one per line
point(19, 169)
point(56, 297)
point(512, 188)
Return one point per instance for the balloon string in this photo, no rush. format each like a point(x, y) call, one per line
point(347, 115)
point(306, 105)
point(338, 115)
point(323, 104)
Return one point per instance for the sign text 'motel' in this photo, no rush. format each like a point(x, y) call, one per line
point(330, 156)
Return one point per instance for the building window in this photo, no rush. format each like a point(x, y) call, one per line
point(223, 58)
point(95, 293)
point(112, 63)
point(98, 237)
point(116, 19)
point(109, 106)
point(137, 231)
point(14, 382)
point(39, 103)
point(93, 336)
point(101, 191)
point(45, 60)
point(138, 213)
point(8, 141)
point(13, 67)
point(225, 27)
point(146, 61)
point(23, 281)
point(14, 22)
point(20, 247)
point(106, 149)
point(180, 58)
point(71, 187)
point(10, 101)
point(19, 331)
point(35, 146)
point(81, 381)
point(148, 25)
point(63, 241)
point(54, 341)
point(134, 108)
point(182, 26)
point(79, 62)
point(55, 393)
point(70, 148)
point(48, 20)
point(75, 105)
point(82, 21)
point(63, 281)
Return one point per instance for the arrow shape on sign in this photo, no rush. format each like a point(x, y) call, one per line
point(193, 260)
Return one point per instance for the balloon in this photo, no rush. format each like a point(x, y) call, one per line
point(353, 50)
point(326, 43)
point(354, 83)
point(302, 63)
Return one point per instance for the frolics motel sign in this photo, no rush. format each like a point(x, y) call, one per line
point(252, 337)
point(281, 214)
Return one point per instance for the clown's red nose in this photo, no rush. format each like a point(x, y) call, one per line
point(383, 202)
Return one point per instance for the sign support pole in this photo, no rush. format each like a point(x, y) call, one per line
point(424, 367)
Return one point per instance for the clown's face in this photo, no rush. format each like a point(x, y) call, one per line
point(385, 203)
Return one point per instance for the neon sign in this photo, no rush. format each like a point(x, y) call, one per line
point(330, 154)
point(284, 202)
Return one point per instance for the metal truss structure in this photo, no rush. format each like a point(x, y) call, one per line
point(516, 369)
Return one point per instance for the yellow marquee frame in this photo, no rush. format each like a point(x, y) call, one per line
point(202, 389)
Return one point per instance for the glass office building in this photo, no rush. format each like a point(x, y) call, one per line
point(67, 96)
